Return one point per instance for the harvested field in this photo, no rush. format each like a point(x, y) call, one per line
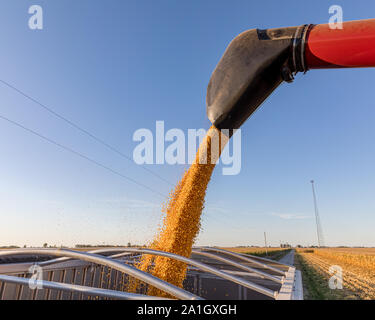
point(358, 265)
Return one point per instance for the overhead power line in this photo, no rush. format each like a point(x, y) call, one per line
point(79, 128)
point(82, 156)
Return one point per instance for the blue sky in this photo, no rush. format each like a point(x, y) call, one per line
point(116, 66)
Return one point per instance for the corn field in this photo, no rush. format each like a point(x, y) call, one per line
point(358, 267)
point(253, 250)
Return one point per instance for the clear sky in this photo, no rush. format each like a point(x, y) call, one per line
point(115, 66)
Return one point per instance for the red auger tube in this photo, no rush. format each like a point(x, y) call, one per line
point(350, 47)
point(257, 61)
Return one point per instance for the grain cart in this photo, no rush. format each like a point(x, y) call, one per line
point(255, 63)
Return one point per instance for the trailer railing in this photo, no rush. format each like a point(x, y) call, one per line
point(80, 275)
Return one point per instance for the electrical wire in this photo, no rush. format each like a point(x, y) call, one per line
point(79, 128)
point(82, 156)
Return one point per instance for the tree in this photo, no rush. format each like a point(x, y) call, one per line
point(45, 245)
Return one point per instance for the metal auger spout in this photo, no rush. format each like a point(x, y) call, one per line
point(257, 61)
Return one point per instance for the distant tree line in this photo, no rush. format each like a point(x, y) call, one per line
point(285, 245)
point(9, 247)
point(80, 246)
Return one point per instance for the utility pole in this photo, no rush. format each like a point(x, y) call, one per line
point(265, 242)
point(318, 226)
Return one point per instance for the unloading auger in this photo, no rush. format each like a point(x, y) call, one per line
point(257, 61)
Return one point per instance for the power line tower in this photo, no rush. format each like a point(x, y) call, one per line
point(319, 230)
point(265, 243)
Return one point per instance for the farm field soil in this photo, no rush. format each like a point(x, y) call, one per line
point(358, 266)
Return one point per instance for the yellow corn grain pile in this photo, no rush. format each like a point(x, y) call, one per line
point(183, 210)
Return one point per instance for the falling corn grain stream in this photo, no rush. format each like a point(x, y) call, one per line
point(183, 209)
